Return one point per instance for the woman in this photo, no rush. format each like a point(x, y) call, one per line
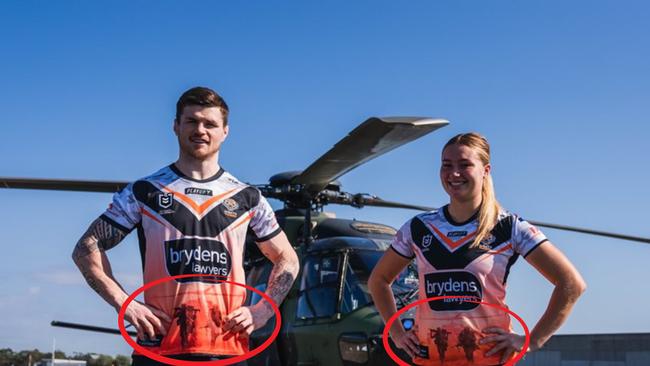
point(466, 249)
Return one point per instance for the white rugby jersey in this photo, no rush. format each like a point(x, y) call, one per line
point(449, 330)
point(189, 226)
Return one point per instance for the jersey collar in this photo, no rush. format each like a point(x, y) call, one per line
point(182, 175)
point(445, 211)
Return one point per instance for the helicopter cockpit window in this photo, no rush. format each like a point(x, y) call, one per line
point(318, 286)
point(355, 290)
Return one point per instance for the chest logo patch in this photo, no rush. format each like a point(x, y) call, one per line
point(485, 243)
point(456, 283)
point(198, 191)
point(426, 240)
point(230, 204)
point(165, 200)
point(197, 256)
point(456, 234)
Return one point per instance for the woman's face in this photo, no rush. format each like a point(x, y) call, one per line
point(462, 173)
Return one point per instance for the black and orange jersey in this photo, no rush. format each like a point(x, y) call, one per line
point(450, 265)
point(188, 226)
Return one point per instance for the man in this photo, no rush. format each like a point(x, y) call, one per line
point(192, 218)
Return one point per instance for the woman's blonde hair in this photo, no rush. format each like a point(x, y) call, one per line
point(489, 211)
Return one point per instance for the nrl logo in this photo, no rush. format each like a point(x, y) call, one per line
point(165, 200)
point(426, 240)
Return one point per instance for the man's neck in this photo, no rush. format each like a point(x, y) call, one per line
point(462, 211)
point(198, 169)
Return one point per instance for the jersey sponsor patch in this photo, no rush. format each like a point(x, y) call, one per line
point(198, 191)
point(456, 234)
point(456, 283)
point(197, 256)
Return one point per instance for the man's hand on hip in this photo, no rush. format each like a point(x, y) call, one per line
point(244, 320)
point(147, 320)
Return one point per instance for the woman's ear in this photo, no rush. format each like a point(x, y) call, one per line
point(487, 170)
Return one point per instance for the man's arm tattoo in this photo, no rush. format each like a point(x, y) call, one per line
point(280, 281)
point(280, 286)
point(100, 236)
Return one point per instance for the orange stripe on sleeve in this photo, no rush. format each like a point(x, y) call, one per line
point(151, 216)
point(244, 220)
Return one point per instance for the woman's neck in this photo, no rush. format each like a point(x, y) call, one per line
point(462, 211)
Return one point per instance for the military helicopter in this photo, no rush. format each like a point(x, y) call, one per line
point(328, 317)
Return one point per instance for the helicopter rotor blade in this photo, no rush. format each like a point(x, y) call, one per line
point(362, 199)
point(91, 328)
point(591, 232)
point(372, 138)
point(63, 184)
point(378, 202)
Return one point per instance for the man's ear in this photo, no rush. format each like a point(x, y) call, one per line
point(175, 127)
point(226, 130)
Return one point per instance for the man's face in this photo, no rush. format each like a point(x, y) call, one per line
point(200, 131)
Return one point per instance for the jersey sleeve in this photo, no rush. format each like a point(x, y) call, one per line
point(526, 237)
point(124, 212)
point(263, 223)
point(403, 241)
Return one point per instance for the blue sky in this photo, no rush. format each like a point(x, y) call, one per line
point(560, 90)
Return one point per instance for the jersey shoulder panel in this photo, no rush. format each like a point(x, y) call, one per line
point(263, 224)
point(124, 211)
point(249, 195)
point(525, 236)
point(409, 233)
point(429, 215)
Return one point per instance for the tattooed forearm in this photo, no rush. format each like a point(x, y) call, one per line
point(90, 279)
point(280, 286)
point(285, 269)
point(100, 236)
point(280, 281)
point(92, 262)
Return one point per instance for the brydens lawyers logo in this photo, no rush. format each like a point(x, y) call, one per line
point(165, 200)
point(454, 283)
point(197, 256)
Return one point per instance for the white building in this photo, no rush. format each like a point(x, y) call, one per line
point(60, 362)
